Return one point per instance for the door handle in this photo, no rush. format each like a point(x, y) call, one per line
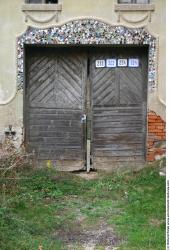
point(83, 118)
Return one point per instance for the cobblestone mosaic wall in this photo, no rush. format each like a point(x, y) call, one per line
point(88, 31)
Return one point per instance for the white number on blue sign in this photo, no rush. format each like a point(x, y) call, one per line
point(122, 62)
point(111, 63)
point(133, 62)
point(100, 63)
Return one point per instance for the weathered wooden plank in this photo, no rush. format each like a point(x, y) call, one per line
point(118, 109)
point(118, 112)
point(55, 117)
point(121, 153)
point(60, 134)
point(54, 141)
point(114, 124)
point(106, 130)
point(63, 158)
point(119, 165)
point(52, 104)
point(118, 118)
point(115, 114)
point(47, 139)
point(119, 137)
point(57, 147)
point(51, 124)
point(58, 154)
point(50, 141)
point(56, 111)
point(119, 147)
point(49, 128)
point(104, 142)
point(55, 123)
point(115, 159)
point(60, 141)
point(67, 129)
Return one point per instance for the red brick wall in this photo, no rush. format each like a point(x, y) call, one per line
point(156, 136)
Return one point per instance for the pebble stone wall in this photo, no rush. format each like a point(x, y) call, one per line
point(88, 31)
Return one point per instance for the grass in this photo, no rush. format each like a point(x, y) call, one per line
point(43, 202)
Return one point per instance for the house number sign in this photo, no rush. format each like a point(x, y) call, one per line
point(122, 62)
point(100, 63)
point(113, 63)
point(133, 63)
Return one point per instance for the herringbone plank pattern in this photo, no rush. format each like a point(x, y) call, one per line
point(68, 87)
point(54, 93)
point(103, 85)
point(41, 80)
point(56, 80)
point(130, 86)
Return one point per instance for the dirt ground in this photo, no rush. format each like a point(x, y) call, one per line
point(88, 176)
point(91, 238)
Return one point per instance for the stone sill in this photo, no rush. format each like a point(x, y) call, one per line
point(41, 7)
point(134, 7)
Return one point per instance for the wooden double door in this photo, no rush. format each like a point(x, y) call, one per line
point(77, 93)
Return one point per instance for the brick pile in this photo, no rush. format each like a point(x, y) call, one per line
point(156, 136)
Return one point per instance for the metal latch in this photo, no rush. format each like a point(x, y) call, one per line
point(83, 118)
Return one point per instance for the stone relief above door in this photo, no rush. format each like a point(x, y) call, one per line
point(41, 14)
point(134, 12)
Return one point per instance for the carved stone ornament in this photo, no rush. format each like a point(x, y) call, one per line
point(41, 13)
point(88, 31)
point(142, 12)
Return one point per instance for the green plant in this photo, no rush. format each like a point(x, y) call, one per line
point(37, 204)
